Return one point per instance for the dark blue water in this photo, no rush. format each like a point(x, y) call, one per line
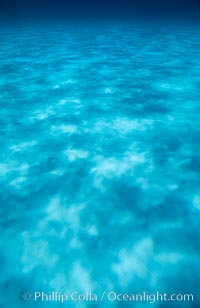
point(99, 162)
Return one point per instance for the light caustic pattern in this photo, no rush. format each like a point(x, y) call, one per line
point(99, 161)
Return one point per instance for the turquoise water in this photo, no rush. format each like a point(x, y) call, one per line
point(99, 163)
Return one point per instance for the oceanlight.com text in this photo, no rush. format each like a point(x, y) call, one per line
point(111, 296)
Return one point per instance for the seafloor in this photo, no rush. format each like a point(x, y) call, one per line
point(99, 162)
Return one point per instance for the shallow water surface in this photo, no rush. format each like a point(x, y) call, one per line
point(99, 163)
